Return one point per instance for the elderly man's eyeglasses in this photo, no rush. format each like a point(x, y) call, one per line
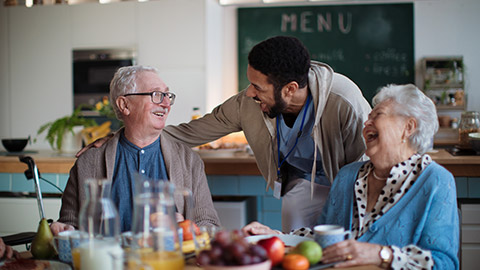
point(157, 96)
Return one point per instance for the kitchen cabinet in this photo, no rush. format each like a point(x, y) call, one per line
point(470, 238)
point(443, 79)
point(12, 222)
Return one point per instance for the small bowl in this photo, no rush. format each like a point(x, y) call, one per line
point(258, 266)
point(475, 141)
point(14, 145)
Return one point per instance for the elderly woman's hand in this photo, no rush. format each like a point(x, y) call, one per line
point(352, 252)
point(255, 228)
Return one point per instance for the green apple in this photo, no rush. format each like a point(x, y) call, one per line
point(310, 249)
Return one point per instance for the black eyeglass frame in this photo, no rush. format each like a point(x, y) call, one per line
point(171, 96)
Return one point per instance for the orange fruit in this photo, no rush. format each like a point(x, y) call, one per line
point(295, 262)
point(187, 226)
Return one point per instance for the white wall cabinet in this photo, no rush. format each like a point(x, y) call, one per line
point(470, 236)
point(39, 67)
point(100, 26)
point(23, 214)
point(36, 72)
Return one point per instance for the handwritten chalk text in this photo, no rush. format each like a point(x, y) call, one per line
point(308, 22)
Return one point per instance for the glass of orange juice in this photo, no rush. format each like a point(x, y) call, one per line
point(159, 260)
point(76, 258)
point(76, 239)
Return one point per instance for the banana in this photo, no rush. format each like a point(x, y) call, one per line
point(90, 134)
point(189, 246)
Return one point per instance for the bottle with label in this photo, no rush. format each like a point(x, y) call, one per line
point(196, 113)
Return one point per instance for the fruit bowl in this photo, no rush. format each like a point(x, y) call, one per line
point(259, 266)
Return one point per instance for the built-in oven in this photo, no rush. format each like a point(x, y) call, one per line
point(93, 70)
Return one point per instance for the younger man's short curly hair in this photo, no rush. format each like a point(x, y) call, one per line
point(282, 59)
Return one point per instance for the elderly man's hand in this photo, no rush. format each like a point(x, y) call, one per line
point(179, 217)
point(352, 252)
point(58, 227)
point(256, 228)
point(7, 251)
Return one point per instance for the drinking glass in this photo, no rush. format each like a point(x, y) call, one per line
point(155, 231)
point(99, 221)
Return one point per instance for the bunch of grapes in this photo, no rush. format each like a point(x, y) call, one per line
point(231, 248)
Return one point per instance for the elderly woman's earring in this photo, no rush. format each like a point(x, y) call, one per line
point(404, 141)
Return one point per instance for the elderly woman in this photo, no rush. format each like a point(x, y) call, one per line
point(400, 205)
point(142, 101)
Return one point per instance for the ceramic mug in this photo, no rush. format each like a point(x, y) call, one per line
point(63, 242)
point(326, 235)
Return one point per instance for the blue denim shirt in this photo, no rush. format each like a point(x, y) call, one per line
point(130, 159)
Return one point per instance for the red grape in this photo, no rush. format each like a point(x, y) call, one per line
point(203, 258)
point(232, 249)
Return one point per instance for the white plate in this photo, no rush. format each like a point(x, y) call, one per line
point(288, 240)
point(54, 265)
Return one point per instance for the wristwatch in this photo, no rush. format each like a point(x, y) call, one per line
point(386, 256)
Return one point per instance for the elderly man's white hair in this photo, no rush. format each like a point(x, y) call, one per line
point(124, 82)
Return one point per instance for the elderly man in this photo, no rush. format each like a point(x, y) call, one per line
point(142, 101)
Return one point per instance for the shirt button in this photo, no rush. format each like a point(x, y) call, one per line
point(143, 171)
point(142, 151)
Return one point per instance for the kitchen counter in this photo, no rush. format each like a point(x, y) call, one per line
point(238, 163)
point(47, 162)
point(459, 166)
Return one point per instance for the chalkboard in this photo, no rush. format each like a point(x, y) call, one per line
point(372, 44)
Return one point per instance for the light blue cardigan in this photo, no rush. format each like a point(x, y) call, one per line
point(426, 216)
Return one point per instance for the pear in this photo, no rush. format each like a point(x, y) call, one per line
point(42, 244)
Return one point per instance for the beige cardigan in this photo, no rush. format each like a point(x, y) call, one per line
point(184, 168)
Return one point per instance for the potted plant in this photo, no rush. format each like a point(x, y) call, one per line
point(59, 130)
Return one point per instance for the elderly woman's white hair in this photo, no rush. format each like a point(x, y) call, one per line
point(411, 102)
point(124, 82)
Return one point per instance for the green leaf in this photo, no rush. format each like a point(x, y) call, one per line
point(56, 129)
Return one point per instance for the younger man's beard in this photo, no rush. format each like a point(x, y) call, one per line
point(280, 104)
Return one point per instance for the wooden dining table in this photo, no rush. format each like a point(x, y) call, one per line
point(363, 267)
point(190, 264)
